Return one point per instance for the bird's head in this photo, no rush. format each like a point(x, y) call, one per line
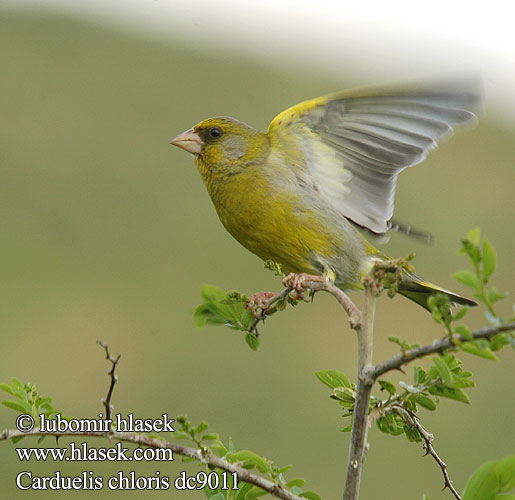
point(224, 144)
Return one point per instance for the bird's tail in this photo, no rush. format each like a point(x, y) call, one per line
point(418, 290)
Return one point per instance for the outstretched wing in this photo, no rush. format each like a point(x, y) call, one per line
point(355, 143)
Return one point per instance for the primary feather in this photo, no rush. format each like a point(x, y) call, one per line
point(374, 134)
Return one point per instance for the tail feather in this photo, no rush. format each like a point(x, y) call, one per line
point(419, 291)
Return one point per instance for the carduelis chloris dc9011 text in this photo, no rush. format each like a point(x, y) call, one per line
point(297, 193)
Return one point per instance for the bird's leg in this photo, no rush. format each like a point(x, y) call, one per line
point(300, 281)
point(260, 300)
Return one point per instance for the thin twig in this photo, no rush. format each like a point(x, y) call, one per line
point(405, 357)
point(350, 308)
point(114, 361)
point(204, 456)
point(428, 446)
point(315, 286)
point(280, 296)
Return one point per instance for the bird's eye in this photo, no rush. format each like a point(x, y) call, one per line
point(214, 132)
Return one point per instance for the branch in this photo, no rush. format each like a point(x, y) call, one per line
point(428, 445)
point(315, 286)
point(204, 456)
point(358, 441)
point(114, 361)
point(441, 345)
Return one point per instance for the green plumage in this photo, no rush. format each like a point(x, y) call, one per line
point(295, 194)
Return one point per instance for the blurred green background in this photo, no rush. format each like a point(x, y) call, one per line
point(107, 233)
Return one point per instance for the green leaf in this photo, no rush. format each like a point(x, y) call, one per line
point(201, 427)
point(489, 259)
point(242, 494)
point(467, 278)
point(218, 447)
point(256, 492)
point(347, 429)
point(21, 406)
point(216, 496)
point(388, 387)
point(464, 332)
point(221, 308)
point(345, 395)
point(505, 469)
point(180, 435)
point(203, 314)
point(333, 379)
point(212, 293)
point(390, 424)
point(44, 401)
point(449, 392)
point(419, 375)
point(413, 435)
point(249, 458)
point(7, 388)
point(210, 436)
point(499, 341)
point(493, 295)
point(310, 495)
point(424, 401)
point(474, 235)
point(460, 314)
point(16, 383)
point(482, 352)
point(382, 425)
point(252, 341)
point(18, 392)
point(483, 484)
point(443, 370)
point(295, 482)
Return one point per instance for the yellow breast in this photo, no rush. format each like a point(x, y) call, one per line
point(263, 209)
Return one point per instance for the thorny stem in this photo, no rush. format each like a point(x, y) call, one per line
point(114, 361)
point(428, 446)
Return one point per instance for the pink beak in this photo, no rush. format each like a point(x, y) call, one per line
point(189, 141)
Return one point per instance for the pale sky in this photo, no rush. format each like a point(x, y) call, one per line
point(388, 40)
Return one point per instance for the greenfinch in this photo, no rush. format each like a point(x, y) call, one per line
point(298, 193)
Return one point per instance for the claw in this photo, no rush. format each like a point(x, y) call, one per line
point(298, 282)
point(259, 300)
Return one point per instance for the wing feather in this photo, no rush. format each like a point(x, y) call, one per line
point(356, 142)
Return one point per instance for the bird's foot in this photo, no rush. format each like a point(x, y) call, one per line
point(260, 300)
point(299, 282)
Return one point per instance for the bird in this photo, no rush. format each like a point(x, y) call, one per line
point(305, 193)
